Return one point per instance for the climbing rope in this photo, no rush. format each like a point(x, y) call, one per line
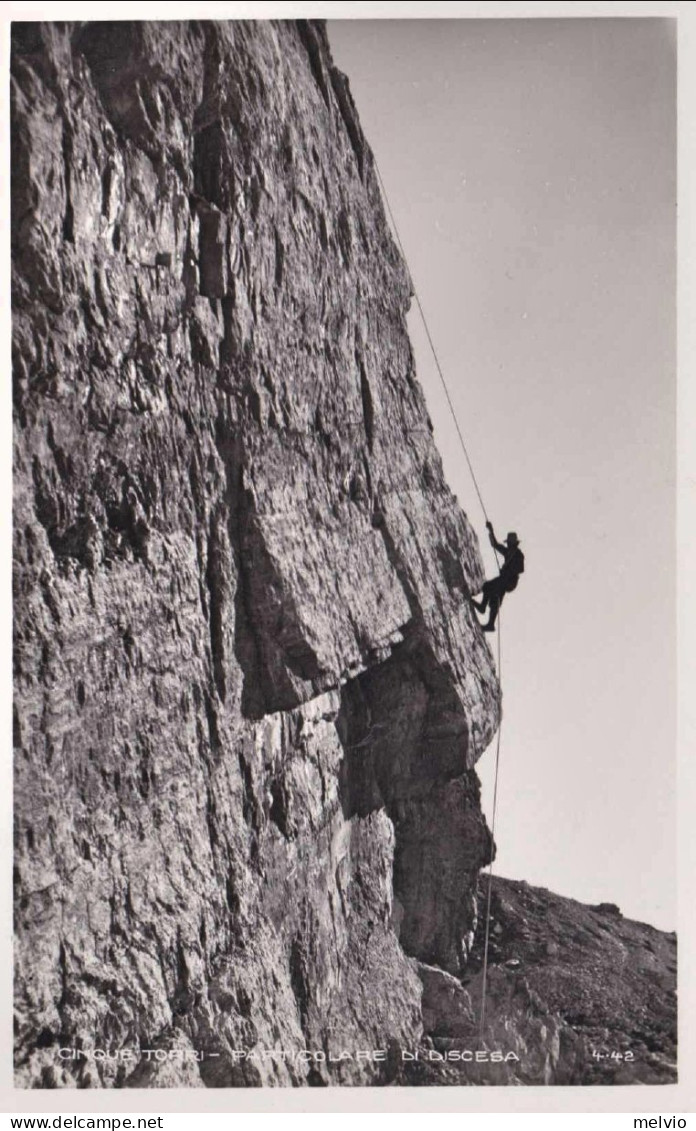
point(485, 514)
point(487, 933)
point(432, 346)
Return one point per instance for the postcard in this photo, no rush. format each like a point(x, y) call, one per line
point(344, 489)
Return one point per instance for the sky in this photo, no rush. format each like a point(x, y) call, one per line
point(530, 165)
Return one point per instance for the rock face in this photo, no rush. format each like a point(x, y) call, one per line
point(249, 689)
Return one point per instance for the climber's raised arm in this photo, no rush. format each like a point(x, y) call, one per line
point(495, 544)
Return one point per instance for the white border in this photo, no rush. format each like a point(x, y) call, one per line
point(639, 1099)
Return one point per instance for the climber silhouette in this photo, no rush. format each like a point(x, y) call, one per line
point(494, 590)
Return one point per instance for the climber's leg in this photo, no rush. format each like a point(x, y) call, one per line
point(485, 593)
point(495, 599)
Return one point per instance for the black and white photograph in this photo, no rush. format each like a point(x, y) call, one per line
point(344, 554)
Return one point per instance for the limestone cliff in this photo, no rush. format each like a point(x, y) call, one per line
point(249, 690)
